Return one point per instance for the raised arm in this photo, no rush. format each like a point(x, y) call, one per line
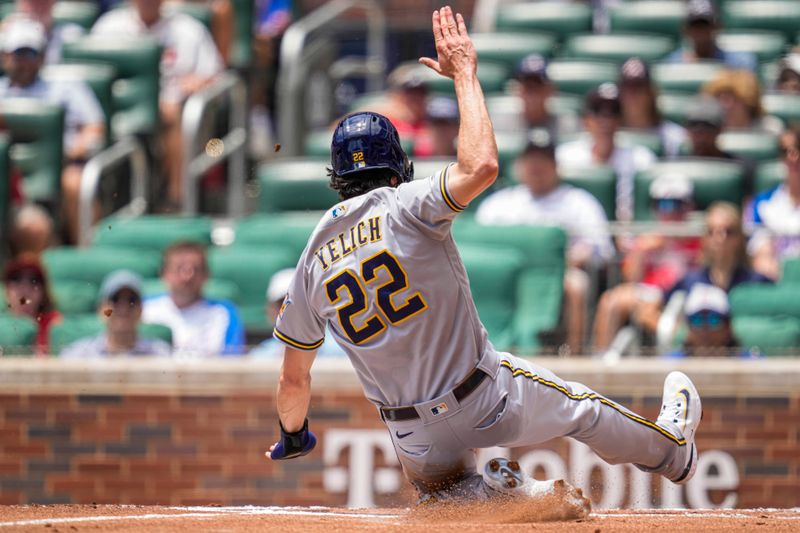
point(477, 165)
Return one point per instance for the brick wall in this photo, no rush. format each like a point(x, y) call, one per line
point(132, 436)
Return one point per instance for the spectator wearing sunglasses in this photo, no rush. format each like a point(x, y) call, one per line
point(708, 322)
point(776, 214)
point(28, 295)
point(120, 306)
point(652, 263)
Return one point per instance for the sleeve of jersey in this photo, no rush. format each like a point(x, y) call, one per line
point(429, 201)
point(298, 326)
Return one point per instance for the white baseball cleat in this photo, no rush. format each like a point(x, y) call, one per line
point(681, 406)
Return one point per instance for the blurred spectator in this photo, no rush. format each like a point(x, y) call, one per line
point(602, 118)
point(31, 230)
point(56, 33)
point(726, 264)
point(652, 263)
point(84, 126)
point(776, 213)
point(120, 306)
point(704, 124)
point(200, 326)
point(28, 295)
point(789, 76)
point(541, 199)
point(189, 62)
point(708, 320)
point(700, 31)
point(439, 138)
point(638, 99)
point(406, 101)
point(276, 292)
point(739, 95)
point(222, 23)
point(535, 90)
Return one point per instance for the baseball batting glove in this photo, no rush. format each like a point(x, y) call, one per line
point(293, 445)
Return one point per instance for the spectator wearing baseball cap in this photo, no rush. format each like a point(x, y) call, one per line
point(789, 76)
point(700, 30)
point(652, 263)
point(542, 199)
point(276, 292)
point(708, 319)
point(535, 90)
point(638, 99)
point(406, 100)
point(57, 33)
point(120, 306)
point(28, 295)
point(739, 95)
point(23, 42)
point(440, 135)
point(602, 118)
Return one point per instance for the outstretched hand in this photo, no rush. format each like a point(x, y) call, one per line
point(456, 54)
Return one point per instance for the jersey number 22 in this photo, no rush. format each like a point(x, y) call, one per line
point(349, 282)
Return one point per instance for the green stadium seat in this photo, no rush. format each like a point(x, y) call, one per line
point(784, 106)
point(214, 289)
point(509, 48)
point(98, 77)
point(651, 16)
point(251, 268)
point(791, 272)
point(686, 78)
point(713, 179)
point(766, 316)
point(578, 77)
point(5, 177)
point(674, 106)
point(618, 47)
point(83, 14)
point(494, 288)
point(93, 264)
point(241, 53)
point(506, 110)
point(777, 15)
point(17, 335)
point(75, 297)
point(318, 143)
point(152, 232)
point(755, 145)
point(558, 18)
point(290, 230)
point(135, 91)
point(493, 77)
point(295, 185)
point(769, 174)
point(36, 130)
point(601, 182)
point(766, 45)
point(76, 327)
point(540, 246)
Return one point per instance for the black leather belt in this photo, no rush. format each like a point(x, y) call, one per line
point(461, 391)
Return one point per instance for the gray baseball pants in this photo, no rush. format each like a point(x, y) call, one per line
point(522, 404)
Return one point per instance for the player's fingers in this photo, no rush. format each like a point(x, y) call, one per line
point(437, 27)
point(462, 28)
point(445, 29)
point(431, 64)
point(451, 21)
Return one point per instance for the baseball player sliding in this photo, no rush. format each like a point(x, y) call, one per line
point(382, 270)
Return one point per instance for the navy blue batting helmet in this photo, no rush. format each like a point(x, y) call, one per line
point(364, 141)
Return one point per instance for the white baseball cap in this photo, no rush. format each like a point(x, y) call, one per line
point(22, 32)
point(279, 285)
point(672, 186)
point(703, 297)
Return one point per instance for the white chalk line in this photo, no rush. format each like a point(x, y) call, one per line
point(215, 512)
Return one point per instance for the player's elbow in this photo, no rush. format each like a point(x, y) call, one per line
point(485, 172)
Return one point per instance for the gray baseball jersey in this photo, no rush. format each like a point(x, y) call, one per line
point(383, 270)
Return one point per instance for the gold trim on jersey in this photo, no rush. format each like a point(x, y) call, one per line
point(590, 396)
point(451, 203)
point(297, 344)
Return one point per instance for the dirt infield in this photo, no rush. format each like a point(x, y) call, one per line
point(95, 518)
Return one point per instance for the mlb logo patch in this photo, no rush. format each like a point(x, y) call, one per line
point(439, 409)
point(338, 211)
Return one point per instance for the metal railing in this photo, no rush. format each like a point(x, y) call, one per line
point(199, 156)
point(295, 65)
point(126, 150)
